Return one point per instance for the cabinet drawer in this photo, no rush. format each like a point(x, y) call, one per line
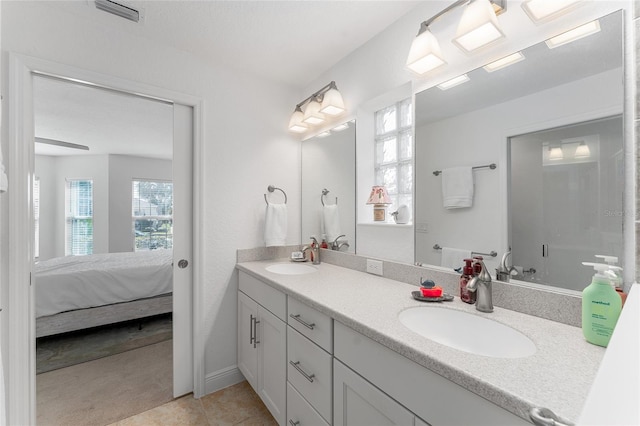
point(299, 412)
point(313, 324)
point(272, 299)
point(309, 370)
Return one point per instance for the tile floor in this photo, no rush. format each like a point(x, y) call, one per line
point(235, 405)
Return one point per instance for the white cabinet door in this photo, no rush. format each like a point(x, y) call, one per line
point(247, 351)
point(272, 359)
point(356, 402)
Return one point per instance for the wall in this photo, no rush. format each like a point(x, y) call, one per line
point(122, 170)
point(483, 227)
point(53, 179)
point(112, 176)
point(242, 156)
point(378, 68)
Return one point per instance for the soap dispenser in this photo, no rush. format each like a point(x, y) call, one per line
point(601, 306)
point(467, 274)
point(615, 273)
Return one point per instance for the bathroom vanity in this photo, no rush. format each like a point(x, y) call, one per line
point(348, 359)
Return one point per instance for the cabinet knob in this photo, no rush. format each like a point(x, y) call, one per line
point(183, 263)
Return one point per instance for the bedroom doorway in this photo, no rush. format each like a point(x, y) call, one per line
point(21, 338)
point(112, 205)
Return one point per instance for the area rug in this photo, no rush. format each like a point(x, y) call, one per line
point(54, 352)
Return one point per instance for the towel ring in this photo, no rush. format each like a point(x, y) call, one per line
point(272, 188)
point(325, 192)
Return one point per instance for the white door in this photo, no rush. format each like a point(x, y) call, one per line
point(272, 361)
point(182, 249)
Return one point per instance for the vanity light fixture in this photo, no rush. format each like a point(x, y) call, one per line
point(478, 26)
point(295, 123)
point(504, 62)
point(318, 108)
point(332, 103)
point(341, 127)
point(453, 82)
point(545, 10)
point(312, 114)
point(574, 34)
point(323, 134)
point(425, 54)
point(582, 151)
point(556, 153)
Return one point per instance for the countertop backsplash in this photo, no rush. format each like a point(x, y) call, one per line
point(540, 302)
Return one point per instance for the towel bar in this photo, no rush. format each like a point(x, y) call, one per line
point(492, 253)
point(325, 192)
point(272, 188)
point(491, 166)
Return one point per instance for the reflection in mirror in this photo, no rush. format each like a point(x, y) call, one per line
point(328, 188)
point(566, 200)
point(470, 125)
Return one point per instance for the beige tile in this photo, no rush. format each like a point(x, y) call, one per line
point(182, 411)
point(235, 405)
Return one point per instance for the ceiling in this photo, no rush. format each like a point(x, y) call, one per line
point(293, 42)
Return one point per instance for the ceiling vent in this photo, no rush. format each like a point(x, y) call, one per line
point(119, 9)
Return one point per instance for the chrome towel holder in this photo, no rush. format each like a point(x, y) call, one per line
point(491, 166)
point(325, 192)
point(272, 188)
point(492, 253)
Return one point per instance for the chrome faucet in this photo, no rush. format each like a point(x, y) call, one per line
point(482, 284)
point(503, 273)
point(337, 245)
point(315, 250)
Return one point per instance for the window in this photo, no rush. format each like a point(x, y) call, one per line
point(79, 217)
point(36, 217)
point(394, 152)
point(152, 212)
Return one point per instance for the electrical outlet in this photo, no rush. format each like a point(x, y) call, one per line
point(374, 266)
point(422, 227)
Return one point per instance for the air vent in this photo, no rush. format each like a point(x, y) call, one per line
point(118, 9)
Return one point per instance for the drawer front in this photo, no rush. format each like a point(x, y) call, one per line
point(300, 412)
point(309, 370)
point(313, 324)
point(274, 300)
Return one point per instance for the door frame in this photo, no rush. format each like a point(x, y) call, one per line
point(19, 310)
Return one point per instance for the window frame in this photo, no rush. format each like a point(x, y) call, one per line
point(401, 129)
point(70, 218)
point(168, 242)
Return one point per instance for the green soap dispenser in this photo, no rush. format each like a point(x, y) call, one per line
point(601, 306)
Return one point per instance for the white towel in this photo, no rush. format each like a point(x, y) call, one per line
point(457, 187)
point(454, 258)
point(331, 222)
point(275, 225)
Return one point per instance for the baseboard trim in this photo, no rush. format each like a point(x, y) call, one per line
point(222, 378)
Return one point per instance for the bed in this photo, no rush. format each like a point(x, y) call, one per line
point(78, 292)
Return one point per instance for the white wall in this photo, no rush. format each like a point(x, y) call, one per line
point(378, 68)
point(122, 170)
point(244, 150)
point(53, 173)
point(477, 138)
point(112, 176)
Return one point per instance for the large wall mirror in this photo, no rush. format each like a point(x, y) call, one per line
point(552, 124)
point(329, 188)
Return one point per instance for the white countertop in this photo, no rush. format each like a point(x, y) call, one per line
point(558, 376)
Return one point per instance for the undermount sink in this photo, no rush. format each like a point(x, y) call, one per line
point(291, 268)
point(467, 332)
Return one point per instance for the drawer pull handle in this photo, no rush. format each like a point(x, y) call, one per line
point(296, 365)
point(303, 322)
point(545, 417)
point(253, 332)
point(292, 423)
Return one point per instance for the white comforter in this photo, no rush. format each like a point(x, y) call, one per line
point(77, 282)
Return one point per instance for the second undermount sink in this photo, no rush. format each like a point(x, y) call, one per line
point(467, 332)
point(291, 268)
